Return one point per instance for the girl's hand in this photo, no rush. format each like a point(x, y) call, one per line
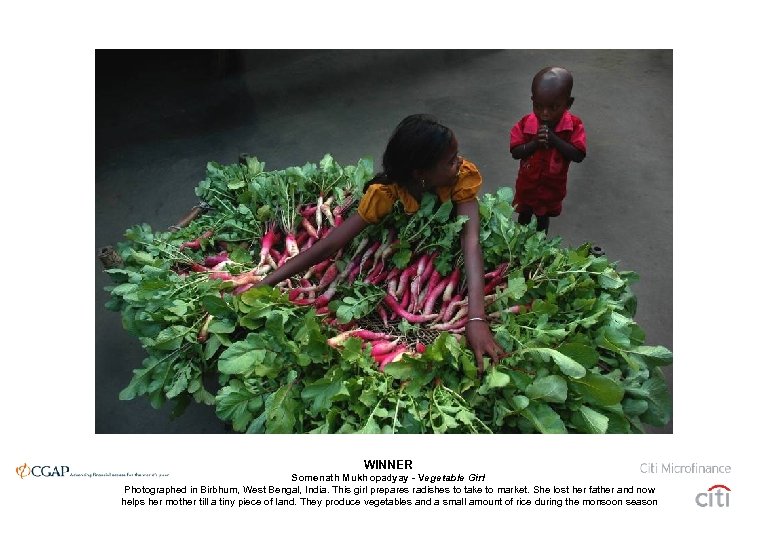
point(482, 342)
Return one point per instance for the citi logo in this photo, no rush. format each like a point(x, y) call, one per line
point(714, 496)
point(23, 471)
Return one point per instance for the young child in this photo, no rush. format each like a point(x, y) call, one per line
point(421, 155)
point(546, 141)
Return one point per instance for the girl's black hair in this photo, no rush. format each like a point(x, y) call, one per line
point(417, 143)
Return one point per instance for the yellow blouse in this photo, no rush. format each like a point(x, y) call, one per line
point(378, 199)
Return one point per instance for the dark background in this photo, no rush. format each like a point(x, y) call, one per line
point(161, 115)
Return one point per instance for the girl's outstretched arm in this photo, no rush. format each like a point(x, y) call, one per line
point(321, 250)
point(478, 332)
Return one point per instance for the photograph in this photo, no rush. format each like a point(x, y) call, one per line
point(378, 241)
point(323, 223)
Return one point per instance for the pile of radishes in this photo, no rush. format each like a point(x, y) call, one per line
point(277, 245)
point(418, 293)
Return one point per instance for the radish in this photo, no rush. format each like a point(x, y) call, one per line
point(453, 281)
point(415, 292)
point(370, 251)
point(419, 347)
point(430, 301)
point(417, 319)
point(246, 277)
point(353, 274)
point(318, 212)
point(392, 353)
point(349, 271)
point(353, 268)
point(462, 313)
point(390, 358)
point(275, 254)
point(196, 244)
point(291, 245)
point(339, 340)
point(294, 294)
point(404, 280)
point(490, 287)
point(330, 274)
point(378, 253)
point(382, 315)
point(389, 250)
point(376, 279)
point(422, 262)
point(455, 303)
point(213, 260)
point(375, 270)
point(309, 228)
point(318, 268)
point(423, 296)
point(328, 214)
point(323, 310)
point(428, 270)
point(308, 211)
point(394, 273)
point(346, 203)
point(434, 280)
point(199, 267)
point(383, 346)
point(499, 271)
point(220, 266)
point(326, 297)
point(360, 247)
point(418, 282)
point(368, 335)
point(298, 239)
point(204, 330)
point(192, 244)
point(307, 244)
point(305, 287)
point(511, 309)
point(262, 270)
point(266, 243)
point(392, 281)
point(448, 327)
point(406, 298)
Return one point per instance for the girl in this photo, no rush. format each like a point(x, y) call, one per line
point(421, 155)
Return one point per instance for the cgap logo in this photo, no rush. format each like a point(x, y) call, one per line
point(714, 497)
point(23, 471)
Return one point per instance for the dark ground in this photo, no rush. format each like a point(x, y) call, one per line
point(160, 116)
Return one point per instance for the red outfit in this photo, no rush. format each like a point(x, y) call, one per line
point(541, 180)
